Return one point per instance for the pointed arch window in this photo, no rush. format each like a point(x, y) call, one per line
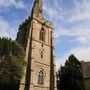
point(42, 35)
point(41, 78)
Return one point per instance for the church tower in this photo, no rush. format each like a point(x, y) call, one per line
point(36, 37)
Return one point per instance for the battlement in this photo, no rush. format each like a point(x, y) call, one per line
point(28, 20)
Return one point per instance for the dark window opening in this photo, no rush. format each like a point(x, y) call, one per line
point(41, 78)
point(42, 35)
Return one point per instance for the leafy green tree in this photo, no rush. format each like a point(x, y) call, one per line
point(11, 64)
point(71, 76)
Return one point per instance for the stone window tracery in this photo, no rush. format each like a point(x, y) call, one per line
point(41, 78)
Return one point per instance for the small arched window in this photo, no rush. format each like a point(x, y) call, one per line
point(41, 78)
point(42, 35)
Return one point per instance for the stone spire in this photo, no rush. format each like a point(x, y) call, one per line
point(37, 9)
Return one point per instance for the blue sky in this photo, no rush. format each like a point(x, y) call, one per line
point(71, 20)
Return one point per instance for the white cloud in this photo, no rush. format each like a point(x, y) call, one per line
point(60, 62)
point(82, 34)
point(8, 3)
point(20, 4)
point(6, 29)
point(80, 31)
point(72, 32)
point(53, 12)
point(61, 32)
point(81, 11)
point(81, 53)
point(81, 40)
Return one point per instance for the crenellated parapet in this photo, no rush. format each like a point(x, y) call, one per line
point(23, 32)
point(23, 24)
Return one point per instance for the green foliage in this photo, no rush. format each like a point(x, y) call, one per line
point(11, 62)
point(71, 76)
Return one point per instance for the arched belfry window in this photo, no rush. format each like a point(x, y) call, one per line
point(42, 35)
point(41, 78)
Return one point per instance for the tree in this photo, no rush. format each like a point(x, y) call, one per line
point(71, 76)
point(11, 64)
